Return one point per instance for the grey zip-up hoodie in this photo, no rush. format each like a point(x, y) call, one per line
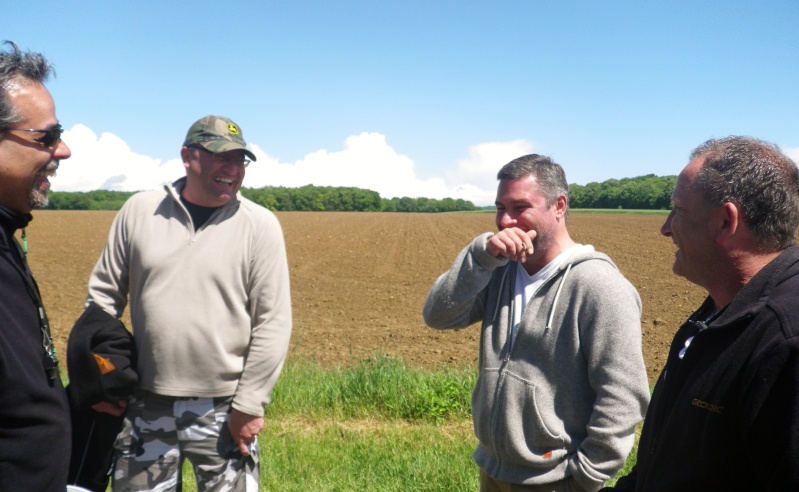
point(566, 399)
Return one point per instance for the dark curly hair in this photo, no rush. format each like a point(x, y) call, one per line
point(14, 66)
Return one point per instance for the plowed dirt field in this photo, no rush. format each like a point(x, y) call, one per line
point(359, 280)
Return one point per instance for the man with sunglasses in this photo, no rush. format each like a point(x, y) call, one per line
point(208, 281)
point(34, 415)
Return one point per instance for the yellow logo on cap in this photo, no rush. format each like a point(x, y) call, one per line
point(231, 128)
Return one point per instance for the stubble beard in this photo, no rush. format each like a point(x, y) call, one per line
point(37, 198)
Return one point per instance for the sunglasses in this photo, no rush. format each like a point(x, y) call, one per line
point(50, 138)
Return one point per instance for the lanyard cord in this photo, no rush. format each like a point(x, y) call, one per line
point(33, 291)
point(50, 358)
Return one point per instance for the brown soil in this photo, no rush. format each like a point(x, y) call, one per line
point(359, 280)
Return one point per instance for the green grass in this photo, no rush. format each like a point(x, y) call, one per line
point(360, 455)
point(301, 455)
point(378, 425)
point(377, 388)
point(631, 459)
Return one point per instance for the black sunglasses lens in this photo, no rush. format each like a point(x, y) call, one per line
point(51, 136)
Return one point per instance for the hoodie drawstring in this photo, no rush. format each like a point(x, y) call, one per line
point(499, 295)
point(557, 296)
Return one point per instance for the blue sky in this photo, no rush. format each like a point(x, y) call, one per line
point(412, 98)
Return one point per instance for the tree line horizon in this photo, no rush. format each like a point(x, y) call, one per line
point(648, 192)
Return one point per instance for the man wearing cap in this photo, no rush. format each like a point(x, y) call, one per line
point(210, 310)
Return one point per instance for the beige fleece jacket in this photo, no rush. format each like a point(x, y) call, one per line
point(211, 309)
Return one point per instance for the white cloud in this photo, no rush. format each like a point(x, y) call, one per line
point(793, 153)
point(108, 163)
point(478, 172)
point(485, 159)
point(365, 161)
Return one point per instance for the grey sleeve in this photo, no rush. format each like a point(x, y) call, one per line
point(457, 298)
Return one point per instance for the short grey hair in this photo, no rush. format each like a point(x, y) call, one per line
point(759, 179)
point(17, 66)
point(549, 175)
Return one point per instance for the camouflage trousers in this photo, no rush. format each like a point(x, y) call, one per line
point(161, 431)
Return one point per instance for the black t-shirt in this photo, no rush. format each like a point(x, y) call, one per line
point(199, 214)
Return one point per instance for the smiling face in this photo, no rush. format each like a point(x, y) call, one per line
point(212, 180)
point(519, 204)
point(689, 225)
point(25, 163)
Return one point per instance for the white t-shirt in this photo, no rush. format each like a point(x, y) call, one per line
point(526, 284)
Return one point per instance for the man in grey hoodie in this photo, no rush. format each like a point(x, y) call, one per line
point(562, 382)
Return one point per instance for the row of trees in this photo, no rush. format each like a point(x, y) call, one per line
point(89, 200)
point(306, 198)
point(406, 204)
point(311, 198)
point(648, 192)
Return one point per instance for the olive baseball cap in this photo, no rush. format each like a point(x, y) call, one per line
point(217, 134)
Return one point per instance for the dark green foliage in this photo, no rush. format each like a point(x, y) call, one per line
point(311, 198)
point(648, 192)
point(307, 198)
point(89, 200)
point(406, 204)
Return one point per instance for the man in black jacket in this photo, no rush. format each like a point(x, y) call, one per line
point(725, 411)
point(34, 416)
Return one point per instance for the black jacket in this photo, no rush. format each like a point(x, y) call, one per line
point(726, 416)
point(34, 416)
point(101, 359)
